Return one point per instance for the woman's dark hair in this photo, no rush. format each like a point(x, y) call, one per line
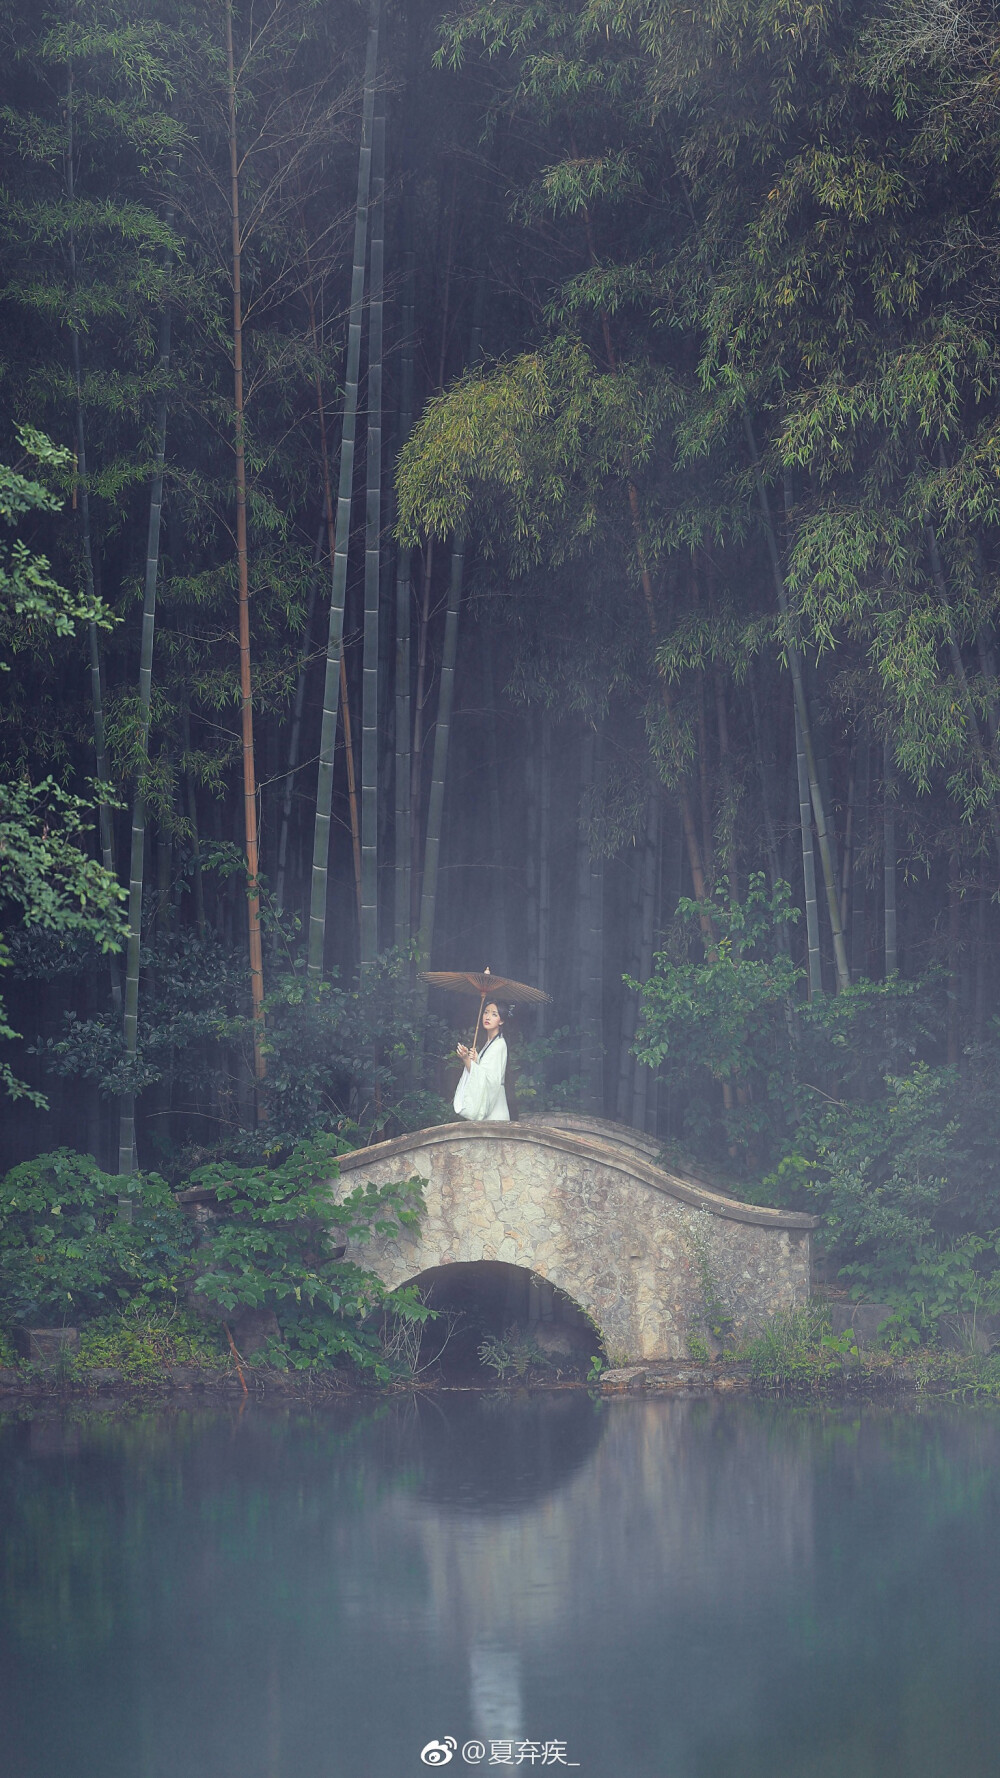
point(505, 1008)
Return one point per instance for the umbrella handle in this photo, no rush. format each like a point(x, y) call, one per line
point(482, 1003)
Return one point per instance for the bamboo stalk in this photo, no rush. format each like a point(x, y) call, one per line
point(345, 702)
point(334, 650)
point(243, 574)
point(808, 864)
point(958, 667)
point(192, 803)
point(544, 859)
point(862, 793)
point(373, 562)
point(889, 860)
point(498, 912)
point(404, 592)
point(81, 500)
point(802, 710)
point(126, 1124)
point(442, 740)
point(295, 738)
point(649, 884)
point(446, 698)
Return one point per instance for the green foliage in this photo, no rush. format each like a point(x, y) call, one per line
point(44, 872)
point(537, 444)
point(512, 1352)
point(337, 1057)
point(142, 1342)
point(716, 1318)
point(725, 1013)
point(338, 1054)
point(67, 1253)
point(274, 1247)
point(795, 1350)
point(537, 1069)
point(840, 1107)
point(30, 596)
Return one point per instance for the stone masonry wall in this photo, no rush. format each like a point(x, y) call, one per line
point(637, 1248)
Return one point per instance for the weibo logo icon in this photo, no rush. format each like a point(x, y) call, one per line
point(438, 1753)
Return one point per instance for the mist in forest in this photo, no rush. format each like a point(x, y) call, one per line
point(509, 487)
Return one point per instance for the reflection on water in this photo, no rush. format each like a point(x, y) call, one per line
point(495, 1708)
point(687, 1589)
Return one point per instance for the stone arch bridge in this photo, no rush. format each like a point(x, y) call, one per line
point(650, 1255)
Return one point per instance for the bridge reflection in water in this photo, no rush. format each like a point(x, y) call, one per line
point(688, 1588)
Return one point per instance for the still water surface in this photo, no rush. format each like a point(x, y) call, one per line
point(671, 1589)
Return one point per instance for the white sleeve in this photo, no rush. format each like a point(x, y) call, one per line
point(483, 1084)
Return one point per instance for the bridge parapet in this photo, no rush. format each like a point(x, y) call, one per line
point(649, 1254)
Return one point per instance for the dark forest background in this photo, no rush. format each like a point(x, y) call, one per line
point(557, 526)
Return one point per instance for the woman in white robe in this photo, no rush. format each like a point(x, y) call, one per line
point(480, 1095)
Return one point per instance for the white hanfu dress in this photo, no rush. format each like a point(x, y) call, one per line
point(479, 1095)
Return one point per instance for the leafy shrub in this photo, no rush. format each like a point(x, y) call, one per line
point(724, 1014)
point(274, 1247)
point(840, 1106)
point(66, 1251)
point(537, 1071)
point(339, 1055)
point(336, 1056)
point(141, 1342)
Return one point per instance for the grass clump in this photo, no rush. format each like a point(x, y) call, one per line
point(796, 1350)
point(142, 1343)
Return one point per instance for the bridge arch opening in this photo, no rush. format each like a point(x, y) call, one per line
point(489, 1307)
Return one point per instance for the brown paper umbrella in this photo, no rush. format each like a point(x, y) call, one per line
point(486, 986)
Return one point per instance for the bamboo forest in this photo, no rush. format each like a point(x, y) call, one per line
point(511, 486)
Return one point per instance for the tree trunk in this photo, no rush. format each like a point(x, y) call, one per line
point(242, 564)
point(331, 687)
point(126, 1123)
point(373, 563)
point(802, 713)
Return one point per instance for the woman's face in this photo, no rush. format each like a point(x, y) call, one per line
point(492, 1022)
